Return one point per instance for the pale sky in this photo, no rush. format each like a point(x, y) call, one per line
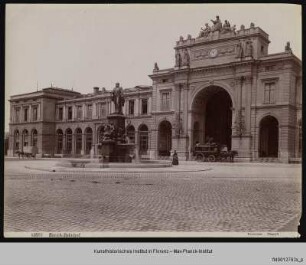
point(83, 46)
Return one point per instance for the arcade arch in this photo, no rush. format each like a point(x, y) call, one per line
point(78, 141)
point(143, 139)
point(59, 141)
point(88, 140)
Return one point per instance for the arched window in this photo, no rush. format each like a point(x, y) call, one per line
point(34, 137)
point(164, 138)
point(68, 141)
point(78, 141)
point(130, 131)
point(16, 140)
point(25, 137)
point(59, 140)
point(143, 139)
point(88, 140)
point(268, 137)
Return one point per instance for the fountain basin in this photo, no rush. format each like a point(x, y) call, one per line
point(95, 163)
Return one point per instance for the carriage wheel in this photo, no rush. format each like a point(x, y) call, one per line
point(199, 157)
point(211, 158)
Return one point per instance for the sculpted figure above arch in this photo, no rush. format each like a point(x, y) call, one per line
point(217, 26)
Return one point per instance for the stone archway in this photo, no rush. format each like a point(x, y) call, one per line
point(88, 140)
point(143, 132)
point(68, 144)
point(164, 138)
point(212, 116)
point(268, 137)
point(59, 141)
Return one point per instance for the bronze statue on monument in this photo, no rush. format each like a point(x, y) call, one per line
point(117, 98)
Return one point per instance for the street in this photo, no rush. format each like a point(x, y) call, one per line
point(239, 197)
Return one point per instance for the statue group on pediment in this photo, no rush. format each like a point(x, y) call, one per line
point(217, 26)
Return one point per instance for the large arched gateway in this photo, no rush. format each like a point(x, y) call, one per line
point(212, 116)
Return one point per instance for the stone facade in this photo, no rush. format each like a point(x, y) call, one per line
point(224, 86)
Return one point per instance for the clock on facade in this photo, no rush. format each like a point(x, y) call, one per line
point(213, 53)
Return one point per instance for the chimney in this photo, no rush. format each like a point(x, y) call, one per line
point(96, 90)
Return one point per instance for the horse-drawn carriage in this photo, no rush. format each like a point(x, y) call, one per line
point(27, 151)
point(212, 152)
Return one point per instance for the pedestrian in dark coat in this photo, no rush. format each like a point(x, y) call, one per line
point(175, 160)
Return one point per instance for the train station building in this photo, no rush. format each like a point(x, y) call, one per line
point(224, 85)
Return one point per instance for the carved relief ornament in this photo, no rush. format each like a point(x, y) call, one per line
point(207, 53)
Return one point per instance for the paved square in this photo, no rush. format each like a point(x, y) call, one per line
point(227, 197)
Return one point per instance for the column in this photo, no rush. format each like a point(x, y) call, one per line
point(83, 143)
point(73, 143)
point(149, 105)
point(94, 110)
point(136, 106)
point(137, 157)
point(84, 111)
point(247, 104)
point(184, 94)
point(30, 118)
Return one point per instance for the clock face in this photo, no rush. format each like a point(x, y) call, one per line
point(213, 53)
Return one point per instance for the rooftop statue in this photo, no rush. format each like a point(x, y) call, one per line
point(117, 98)
point(217, 24)
point(226, 26)
point(205, 32)
point(156, 68)
point(287, 47)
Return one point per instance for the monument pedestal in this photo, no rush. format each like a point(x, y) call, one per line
point(242, 144)
point(118, 120)
point(107, 151)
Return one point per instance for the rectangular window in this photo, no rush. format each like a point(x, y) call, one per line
point(269, 93)
point(89, 111)
point(17, 114)
point(144, 106)
point(60, 113)
point(34, 113)
point(102, 110)
point(131, 107)
point(25, 112)
point(165, 101)
point(69, 116)
point(79, 112)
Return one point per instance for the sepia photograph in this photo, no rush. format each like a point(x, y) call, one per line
point(153, 120)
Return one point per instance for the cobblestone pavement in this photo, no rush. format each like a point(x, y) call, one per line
point(228, 197)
